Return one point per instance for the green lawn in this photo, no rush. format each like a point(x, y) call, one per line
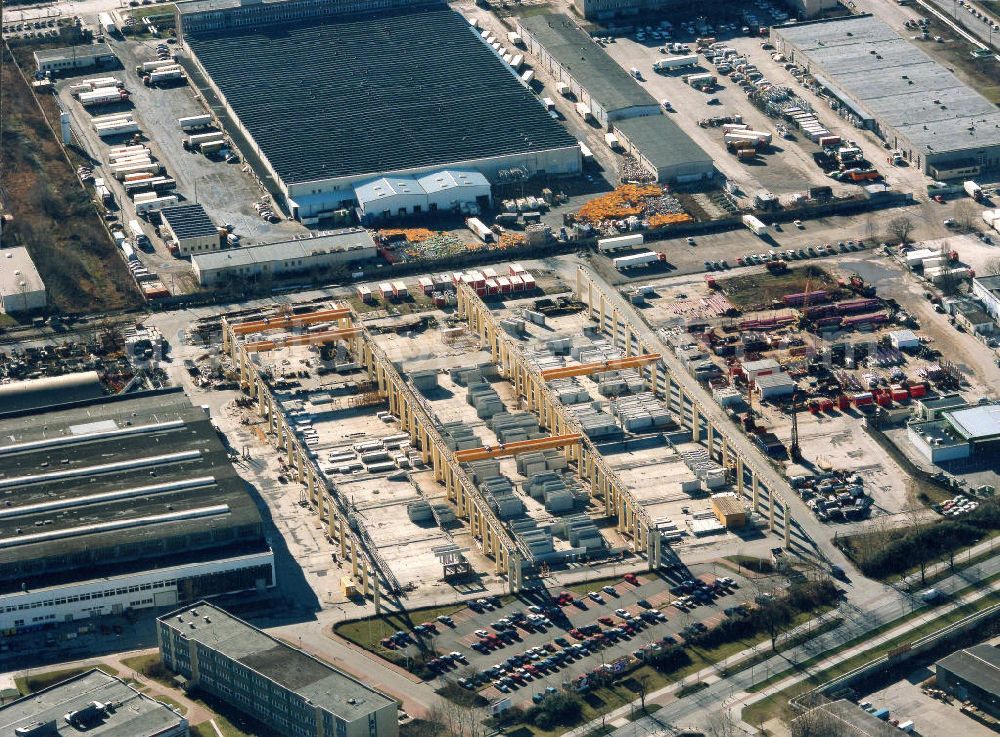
point(33, 682)
point(150, 667)
point(776, 705)
point(369, 632)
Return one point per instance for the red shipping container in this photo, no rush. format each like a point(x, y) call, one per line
point(843, 402)
point(918, 390)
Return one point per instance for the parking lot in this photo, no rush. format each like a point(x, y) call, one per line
point(525, 647)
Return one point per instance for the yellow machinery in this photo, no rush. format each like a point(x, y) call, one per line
point(520, 446)
point(585, 369)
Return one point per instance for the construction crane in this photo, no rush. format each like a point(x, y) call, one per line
point(506, 450)
point(585, 369)
point(288, 321)
point(327, 336)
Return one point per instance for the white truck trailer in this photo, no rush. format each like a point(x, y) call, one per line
point(754, 225)
point(478, 227)
point(194, 122)
point(635, 260)
point(618, 242)
point(583, 110)
point(675, 62)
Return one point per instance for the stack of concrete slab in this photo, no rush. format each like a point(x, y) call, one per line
point(484, 398)
point(425, 381)
point(618, 383)
point(459, 436)
point(551, 488)
point(543, 359)
point(443, 513)
point(484, 469)
point(537, 539)
point(727, 396)
point(569, 391)
point(419, 511)
point(641, 412)
point(499, 493)
point(529, 464)
point(559, 346)
point(594, 422)
point(580, 531)
point(712, 475)
point(511, 427)
point(513, 326)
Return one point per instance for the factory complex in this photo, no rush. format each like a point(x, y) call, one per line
point(120, 503)
point(433, 96)
point(916, 105)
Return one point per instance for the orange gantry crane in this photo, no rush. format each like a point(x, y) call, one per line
point(521, 446)
point(584, 369)
point(290, 320)
point(327, 336)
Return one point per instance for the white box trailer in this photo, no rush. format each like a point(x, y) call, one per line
point(754, 225)
point(634, 260)
point(517, 62)
point(155, 204)
point(199, 138)
point(730, 127)
point(618, 242)
point(763, 136)
point(210, 147)
point(151, 66)
point(193, 122)
point(150, 168)
point(478, 227)
point(675, 62)
point(107, 130)
point(549, 103)
point(514, 37)
point(166, 75)
point(144, 197)
point(117, 152)
point(585, 152)
point(528, 77)
point(583, 110)
point(612, 140)
point(103, 96)
point(563, 89)
point(131, 161)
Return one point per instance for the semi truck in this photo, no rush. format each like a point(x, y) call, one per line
point(635, 260)
point(138, 236)
point(107, 24)
point(150, 168)
point(169, 74)
point(478, 227)
point(151, 66)
point(754, 225)
point(103, 96)
point(973, 190)
point(618, 242)
point(675, 62)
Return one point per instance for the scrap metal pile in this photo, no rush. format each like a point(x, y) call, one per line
point(649, 204)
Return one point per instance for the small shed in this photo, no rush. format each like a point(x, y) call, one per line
point(904, 339)
point(729, 510)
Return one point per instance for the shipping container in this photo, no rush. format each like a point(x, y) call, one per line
point(116, 129)
point(754, 225)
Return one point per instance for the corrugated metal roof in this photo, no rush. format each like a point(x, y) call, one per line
point(597, 72)
point(662, 141)
point(373, 95)
point(345, 240)
point(979, 665)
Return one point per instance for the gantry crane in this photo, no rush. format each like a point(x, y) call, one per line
point(506, 450)
point(290, 320)
point(585, 369)
point(327, 336)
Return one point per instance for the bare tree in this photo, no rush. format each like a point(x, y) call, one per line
point(722, 724)
point(992, 267)
point(816, 723)
point(900, 228)
point(642, 684)
point(965, 214)
point(871, 229)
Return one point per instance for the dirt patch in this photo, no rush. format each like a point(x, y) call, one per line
point(760, 291)
point(54, 218)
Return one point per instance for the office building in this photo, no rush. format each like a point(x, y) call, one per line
point(72, 58)
point(285, 688)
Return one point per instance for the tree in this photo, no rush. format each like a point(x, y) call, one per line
point(642, 686)
point(722, 724)
point(965, 214)
point(992, 266)
point(900, 228)
point(871, 229)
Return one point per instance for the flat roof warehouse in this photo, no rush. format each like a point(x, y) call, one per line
point(338, 100)
point(907, 94)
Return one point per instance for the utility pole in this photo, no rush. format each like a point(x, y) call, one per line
point(796, 452)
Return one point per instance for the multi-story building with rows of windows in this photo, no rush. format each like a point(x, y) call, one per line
point(285, 688)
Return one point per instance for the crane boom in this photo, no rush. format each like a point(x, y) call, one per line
point(515, 448)
point(585, 369)
point(287, 321)
point(327, 336)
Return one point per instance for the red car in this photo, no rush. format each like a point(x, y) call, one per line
point(576, 634)
point(606, 620)
point(631, 578)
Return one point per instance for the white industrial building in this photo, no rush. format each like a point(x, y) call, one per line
point(987, 290)
point(307, 256)
point(957, 433)
point(386, 198)
point(763, 367)
point(21, 288)
point(74, 57)
point(904, 340)
point(774, 386)
point(189, 229)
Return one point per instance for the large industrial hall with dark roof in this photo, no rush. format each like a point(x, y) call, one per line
point(120, 503)
point(331, 102)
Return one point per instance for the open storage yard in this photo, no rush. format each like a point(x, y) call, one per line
point(53, 216)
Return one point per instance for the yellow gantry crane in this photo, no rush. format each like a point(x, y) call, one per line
point(585, 369)
point(507, 450)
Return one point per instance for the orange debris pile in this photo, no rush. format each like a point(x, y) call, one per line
point(658, 221)
point(512, 240)
point(625, 201)
point(413, 235)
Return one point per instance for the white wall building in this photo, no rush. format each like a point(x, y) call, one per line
point(456, 190)
point(21, 288)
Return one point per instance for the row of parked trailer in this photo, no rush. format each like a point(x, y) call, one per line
point(99, 91)
point(142, 177)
